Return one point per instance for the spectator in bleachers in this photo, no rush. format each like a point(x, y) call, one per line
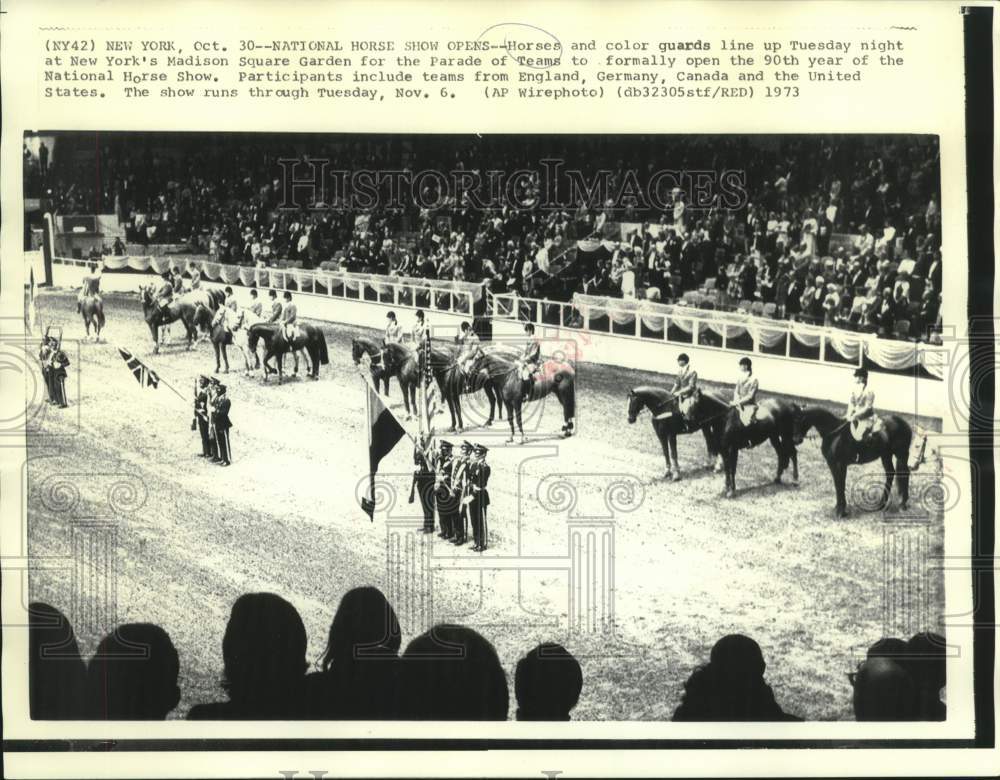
point(56, 673)
point(731, 686)
point(263, 653)
point(452, 673)
point(133, 675)
point(924, 658)
point(547, 683)
point(883, 691)
point(358, 677)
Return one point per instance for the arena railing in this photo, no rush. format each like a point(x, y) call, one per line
point(405, 292)
point(647, 321)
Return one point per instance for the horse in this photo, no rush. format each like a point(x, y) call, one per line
point(361, 346)
point(706, 415)
point(453, 382)
point(222, 337)
point(309, 338)
point(403, 362)
point(841, 449)
point(92, 310)
point(191, 309)
point(775, 422)
point(553, 377)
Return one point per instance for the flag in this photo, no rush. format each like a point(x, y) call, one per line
point(144, 375)
point(31, 310)
point(384, 432)
point(430, 401)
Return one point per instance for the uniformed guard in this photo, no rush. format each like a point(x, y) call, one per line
point(445, 497)
point(531, 357)
point(460, 484)
point(44, 358)
point(58, 363)
point(424, 478)
point(478, 479)
point(222, 424)
point(685, 387)
point(201, 416)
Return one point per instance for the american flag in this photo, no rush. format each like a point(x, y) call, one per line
point(144, 375)
point(430, 400)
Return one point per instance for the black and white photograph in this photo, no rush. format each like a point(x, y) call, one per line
point(543, 427)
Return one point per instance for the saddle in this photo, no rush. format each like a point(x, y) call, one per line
point(748, 415)
point(866, 427)
point(686, 405)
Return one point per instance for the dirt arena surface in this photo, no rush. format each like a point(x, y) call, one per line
point(690, 566)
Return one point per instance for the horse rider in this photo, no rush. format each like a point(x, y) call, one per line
point(289, 317)
point(861, 407)
point(91, 286)
point(276, 307)
point(470, 349)
point(424, 478)
point(58, 362)
point(177, 280)
point(745, 394)
point(531, 357)
point(201, 416)
point(226, 311)
point(164, 291)
point(447, 504)
point(222, 424)
point(196, 279)
point(393, 330)
point(478, 477)
point(44, 357)
point(255, 305)
point(420, 330)
point(685, 388)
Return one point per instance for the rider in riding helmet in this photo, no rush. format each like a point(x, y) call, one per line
point(531, 356)
point(289, 315)
point(685, 387)
point(393, 330)
point(165, 290)
point(91, 285)
point(745, 393)
point(861, 406)
point(420, 331)
point(471, 349)
point(255, 305)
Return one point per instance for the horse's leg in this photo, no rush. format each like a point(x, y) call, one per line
point(664, 438)
point(903, 477)
point(510, 418)
point(709, 447)
point(782, 458)
point(493, 402)
point(520, 427)
point(673, 456)
point(839, 471)
point(225, 356)
point(734, 455)
point(889, 474)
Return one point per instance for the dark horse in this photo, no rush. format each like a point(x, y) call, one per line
point(361, 346)
point(92, 311)
point(402, 362)
point(193, 308)
point(310, 338)
point(706, 415)
point(774, 422)
point(553, 376)
point(841, 450)
point(453, 382)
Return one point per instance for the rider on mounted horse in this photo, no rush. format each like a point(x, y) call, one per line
point(745, 394)
point(531, 358)
point(685, 388)
point(91, 286)
point(470, 350)
point(393, 330)
point(228, 312)
point(256, 307)
point(420, 331)
point(861, 408)
point(164, 292)
point(289, 315)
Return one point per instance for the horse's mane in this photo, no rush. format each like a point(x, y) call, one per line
point(660, 394)
point(400, 350)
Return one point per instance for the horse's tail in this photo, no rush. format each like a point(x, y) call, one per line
point(567, 394)
point(324, 357)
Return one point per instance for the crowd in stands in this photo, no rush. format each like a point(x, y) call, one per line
point(837, 230)
point(448, 673)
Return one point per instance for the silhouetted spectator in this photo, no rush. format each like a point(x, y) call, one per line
point(731, 686)
point(56, 672)
point(887, 647)
point(452, 673)
point(359, 667)
point(547, 683)
point(264, 653)
point(883, 690)
point(925, 661)
point(133, 675)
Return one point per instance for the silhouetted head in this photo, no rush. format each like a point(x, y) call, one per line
point(883, 690)
point(264, 648)
point(547, 683)
point(887, 647)
point(453, 673)
point(365, 626)
point(133, 675)
point(55, 670)
point(925, 660)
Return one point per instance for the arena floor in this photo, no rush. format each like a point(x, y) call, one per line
point(691, 566)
